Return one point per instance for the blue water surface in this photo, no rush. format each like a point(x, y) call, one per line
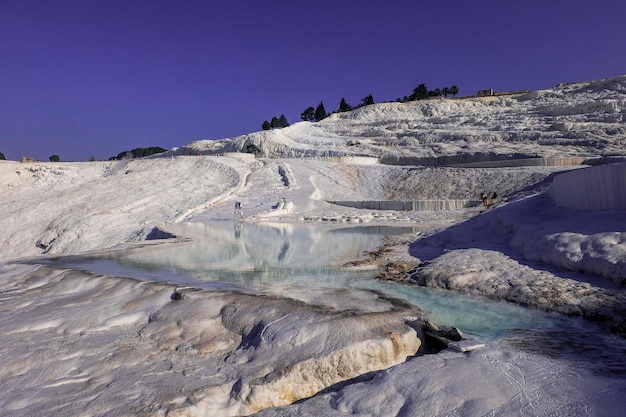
point(306, 262)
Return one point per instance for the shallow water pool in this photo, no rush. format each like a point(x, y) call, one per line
point(305, 262)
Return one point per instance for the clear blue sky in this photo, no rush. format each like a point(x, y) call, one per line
point(96, 77)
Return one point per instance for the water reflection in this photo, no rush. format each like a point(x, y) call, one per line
point(250, 247)
point(305, 262)
point(261, 257)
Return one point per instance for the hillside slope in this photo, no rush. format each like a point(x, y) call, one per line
point(580, 119)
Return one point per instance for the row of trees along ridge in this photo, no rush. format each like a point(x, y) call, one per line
point(421, 92)
point(315, 114)
point(277, 122)
point(319, 113)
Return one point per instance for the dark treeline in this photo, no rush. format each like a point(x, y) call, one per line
point(315, 114)
point(319, 113)
point(135, 153)
point(138, 153)
point(277, 122)
point(421, 92)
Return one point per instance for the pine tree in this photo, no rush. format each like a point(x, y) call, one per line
point(275, 123)
point(445, 91)
point(420, 92)
point(367, 100)
point(320, 112)
point(454, 90)
point(1, 156)
point(344, 106)
point(308, 115)
point(282, 121)
point(266, 125)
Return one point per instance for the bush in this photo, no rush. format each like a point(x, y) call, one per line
point(138, 153)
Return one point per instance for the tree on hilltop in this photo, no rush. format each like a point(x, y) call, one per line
point(2, 156)
point(435, 93)
point(454, 90)
point(138, 153)
point(344, 106)
point(308, 115)
point(420, 92)
point(320, 112)
point(367, 100)
point(277, 122)
point(55, 158)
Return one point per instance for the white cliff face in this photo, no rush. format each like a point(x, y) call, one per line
point(595, 188)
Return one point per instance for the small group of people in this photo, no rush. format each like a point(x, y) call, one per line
point(487, 201)
point(238, 210)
